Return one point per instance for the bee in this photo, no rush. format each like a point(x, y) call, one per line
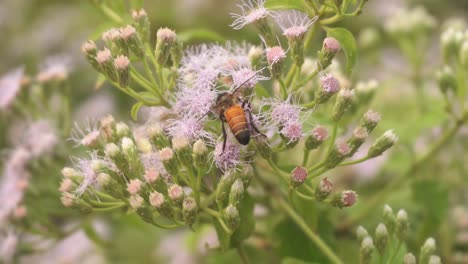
point(233, 110)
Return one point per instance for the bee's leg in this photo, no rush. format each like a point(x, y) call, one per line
point(251, 120)
point(224, 135)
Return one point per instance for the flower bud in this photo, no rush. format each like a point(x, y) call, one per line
point(176, 193)
point(361, 233)
point(157, 136)
point(106, 64)
point(103, 179)
point(121, 64)
point(246, 174)
point(134, 186)
point(158, 201)
point(166, 39)
point(200, 154)
point(136, 201)
point(275, 57)
point(142, 23)
point(90, 50)
point(409, 258)
point(231, 215)
point(434, 259)
point(20, 212)
point(189, 210)
point(329, 85)
point(298, 176)
point(108, 127)
point(263, 147)
point(402, 224)
point(340, 151)
point(357, 139)
point(446, 79)
point(451, 40)
point(381, 238)
point(153, 178)
point(370, 120)
point(113, 40)
point(132, 40)
point(143, 145)
point(183, 150)
point(427, 250)
point(389, 218)
point(384, 142)
point(344, 199)
point(130, 153)
point(323, 189)
point(122, 130)
point(66, 185)
point(177, 52)
point(369, 38)
point(343, 102)
point(317, 137)
point(224, 186)
point(255, 55)
point(169, 161)
point(367, 248)
point(70, 173)
point(237, 192)
point(330, 47)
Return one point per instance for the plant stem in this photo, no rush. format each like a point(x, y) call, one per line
point(306, 157)
point(314, 237)
point(354, 161)
point(242, 254)
point(395, 253)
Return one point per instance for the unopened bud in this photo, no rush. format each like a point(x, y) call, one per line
point(231, 215)
point(343, 102)
point(237, 192)
point(367, 248)
point(106, 64)
point(361, 233)
point(68, 172)
point(181, 146)
point(176, 193)
point(255, 55)
point(389, 218)
point(90, 50)
point(384, 142)
point(169, 161)
point(298, 176)
point(189, 210)
point(67, 199)
point(134, 186)
point(200, 153)
point(166, 38)
point(365, 91)
point(121, 64)
point(144, 145)
point(463, 55)
point(370, 120)
point(409, 258)
point(246, 174)
point(357, 139)
point(318, 135)
point(381, 238)
point(330, 47)
point(136, 201)
point(323, 189)
point(108, 127)
point(329, 85)
point(446, 79)
point(275, 57)
point(427, 250)
point(132, 40)
point(142, 23)
point(451, 40)
point(122, 130)
point(103, 179)
point(402, 224)
point(158, 201)
point(66, 185)
point(157, 136)
point(344, 199)
point(224, 186)
point(340, 151)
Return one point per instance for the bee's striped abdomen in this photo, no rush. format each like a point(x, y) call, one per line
point(235, 117)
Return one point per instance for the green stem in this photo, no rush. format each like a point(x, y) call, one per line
point(395, 253)
point(198, 186)
point(305, 196)
point(291, 74)
point(242, 254)
point(306, 80)
point(355, 161)
point(313, 236)
point(305, 159)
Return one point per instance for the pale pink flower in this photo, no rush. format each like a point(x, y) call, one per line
point(196, 101)
point(190, 127)
point(156, 199)
point(134, 186)
point(246, 77)
point(329, 84)
point(275, 55)
point(280, 112)
point(175, 192)
point(10, 86)
point(136, 201)
point(348, 198)
point(228, 158)
point(55, 68)
point(252, 11)
point(294, 24)
point(292, 130)
point(88, 135)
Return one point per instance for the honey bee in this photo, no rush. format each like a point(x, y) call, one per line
point(235, 111)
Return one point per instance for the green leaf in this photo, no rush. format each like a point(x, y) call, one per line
point(289, 260)
point(199, 35)
point(223, 237)
point(247, 221)
point(135, 108)
point(284, 4)
point(348, 44)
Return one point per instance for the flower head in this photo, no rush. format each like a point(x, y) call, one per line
point(194, 101)
point(10, 86)
point(295, 24)
point(228, 158)
point(292, 130)
point(281, 112)
point(134, 186)
point(275, 55)
point(252, 11)
point(190, 127)
point(86, 136)
point(54, 68)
